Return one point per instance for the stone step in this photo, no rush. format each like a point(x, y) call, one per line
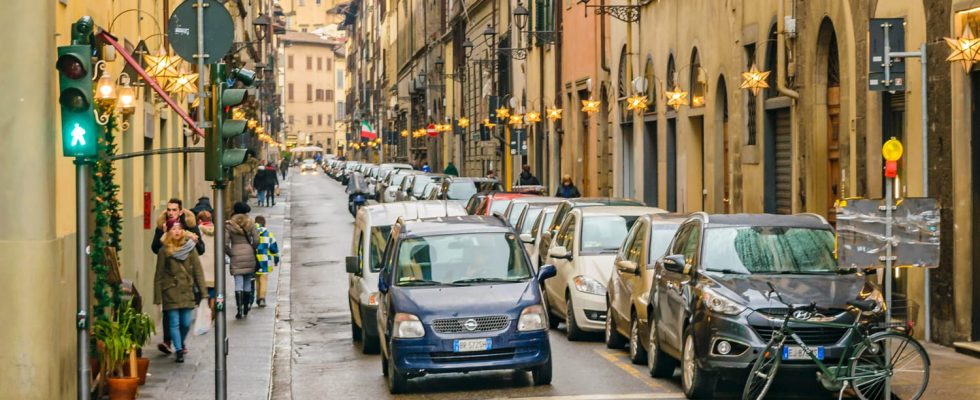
point(969, 348)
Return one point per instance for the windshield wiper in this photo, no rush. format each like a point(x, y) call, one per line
point(488, 280)
point(419, 282)
point(725, 271)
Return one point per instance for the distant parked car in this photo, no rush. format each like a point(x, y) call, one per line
point(567, 206)
point(535, 221)
point(462, 189)
point(512, 213)
point(308, 165)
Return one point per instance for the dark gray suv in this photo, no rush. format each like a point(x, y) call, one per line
point(710, 303)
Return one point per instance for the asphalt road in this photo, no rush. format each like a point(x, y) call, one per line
point(326, 363)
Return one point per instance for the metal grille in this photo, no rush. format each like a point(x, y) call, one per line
point(811, 335)
point(489, 355)
point(483, 324)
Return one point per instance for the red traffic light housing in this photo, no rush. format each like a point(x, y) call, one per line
point(71, 66)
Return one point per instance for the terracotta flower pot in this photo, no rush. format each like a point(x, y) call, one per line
point(123, 388)
point(142, 366)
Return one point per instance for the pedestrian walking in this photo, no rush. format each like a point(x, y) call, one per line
point(567, 188)
point(451, 170)
point(426, 167)
point(271, 184)
point(260, 183)
point(178, 275)
point(174, 214)
point(241, 241)
point(284, 167)
point(267, 255)
point(207, 263)
point(203, 204)
point(527, 178)
point(491, 174)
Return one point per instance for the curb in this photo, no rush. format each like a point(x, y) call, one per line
point(280, 385)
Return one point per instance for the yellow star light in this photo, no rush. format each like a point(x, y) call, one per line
point(532, 117)
point(636, 103)
point(503, 113)
point(162, 67)
point(183, 84)
point(677, 97)
point(464, 122)
point(755, 80)
point(488, 124)
point(965, 49)
point(404, 133)
point(554, 114)
point(516, 119)
point(590, 106)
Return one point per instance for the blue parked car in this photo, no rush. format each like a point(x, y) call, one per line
point(458, 294)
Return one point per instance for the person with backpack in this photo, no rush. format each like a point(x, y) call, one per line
point(241, 241)
point(267, 255)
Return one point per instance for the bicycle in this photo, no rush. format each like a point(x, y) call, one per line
point(862, 366)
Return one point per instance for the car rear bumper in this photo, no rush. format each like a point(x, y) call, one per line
point(434, 354)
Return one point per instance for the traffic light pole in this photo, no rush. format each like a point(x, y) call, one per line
point(220, 323)
point(81, 291)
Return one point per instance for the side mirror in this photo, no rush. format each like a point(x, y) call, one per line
point(527, 238)
point(546, 271)
point(559, 252)
point(382, 282)
point(675, 263)
point(353, 265)
point(626, 266)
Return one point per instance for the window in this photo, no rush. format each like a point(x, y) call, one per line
point(437, 259)
point(319, 95)
point(292, 119)
point(341, 112)
point(301, 2)
point(329, 95)
point(319, 64)
point(329, 120)
point(290, 92)
point(566, 235)
point(309, 119)
point(750, 100)
point(605, 233)
point(319, 119)
point(340, 80)
point(766, 250)
point(660, 236)
point(634, 252)
point(289, 61)
point(544, 16)
point(309, 63)
point(329, 65)
point(309, 92)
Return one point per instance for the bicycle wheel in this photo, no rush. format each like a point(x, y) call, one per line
point(763, 371)
point(907, 364)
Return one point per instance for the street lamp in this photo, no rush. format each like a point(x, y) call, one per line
point(630, 13)
point(467, 48)
point(488, 35)
point(521, 16)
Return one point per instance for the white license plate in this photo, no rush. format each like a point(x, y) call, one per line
point(797, 353)
point(463, 345)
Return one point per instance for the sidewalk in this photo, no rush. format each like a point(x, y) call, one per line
point(952, 375)
point(250, 341)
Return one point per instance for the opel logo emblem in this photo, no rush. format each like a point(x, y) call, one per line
point(470, 324)
point(802, 315)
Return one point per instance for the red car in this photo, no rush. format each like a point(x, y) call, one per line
point(497, 202)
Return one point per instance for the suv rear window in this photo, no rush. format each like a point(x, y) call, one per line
point(769, 250)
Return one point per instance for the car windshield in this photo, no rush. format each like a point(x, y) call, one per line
point(515, 213)
point(499, 206)
point(461, 190)
point(379, 237)
point(308, 162)
point(396, 179)
point(529, 217)
point(769, 250)
point(419, 184)
point(461, 259)
point(660, 238)
point(605, 233)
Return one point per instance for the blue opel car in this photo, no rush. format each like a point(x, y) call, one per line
point(458, 294)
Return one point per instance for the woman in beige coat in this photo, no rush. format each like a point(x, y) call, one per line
point(178, 272)
point(241, 241)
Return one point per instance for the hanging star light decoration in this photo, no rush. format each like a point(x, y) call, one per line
point(590, 106)
point(677, 97)
point(516, 119)
point(965, 49)
point(488, 124)
point(162, 67)
point(532, 117)
point(636, 103)
point(503, 113)
point(186, 83)
point(464, 122)
point(404, 133)
point(755, 80)
point(554, 114)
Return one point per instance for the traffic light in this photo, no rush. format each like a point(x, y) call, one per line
point(219, 157)
point(79, 131)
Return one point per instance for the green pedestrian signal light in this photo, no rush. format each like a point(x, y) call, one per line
point(79, 131)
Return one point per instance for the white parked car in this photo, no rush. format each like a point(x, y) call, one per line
point(535, 221)
point(308, 165)
point(583, 252)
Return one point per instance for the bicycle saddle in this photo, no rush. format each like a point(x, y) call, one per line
point(863, 305)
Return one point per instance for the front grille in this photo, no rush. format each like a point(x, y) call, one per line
point(811, 335)
point(483, 324)
point(472, 356)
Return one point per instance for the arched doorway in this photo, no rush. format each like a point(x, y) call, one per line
point(827, 80)
point(721, 143)
point(671, 143)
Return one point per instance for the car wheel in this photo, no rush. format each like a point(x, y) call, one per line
point(355, 331)
point(696, 382)
point(659, 364)
point(572, 331)
point(637, 354)
point(614, 340)
point(541, 375)
point(397, 381)
point(369, 344)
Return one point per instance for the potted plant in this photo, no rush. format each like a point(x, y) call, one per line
point(141, 329)
point(115, 343)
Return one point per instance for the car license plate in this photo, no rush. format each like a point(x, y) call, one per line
point(797, 353)
point(464, 345)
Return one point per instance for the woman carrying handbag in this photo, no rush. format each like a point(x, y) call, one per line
point(178, 276)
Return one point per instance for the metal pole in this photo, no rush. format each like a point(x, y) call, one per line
point(889, 201)
point(220, 339)
point(200, 62)
point(925, 181)
point(81, 268)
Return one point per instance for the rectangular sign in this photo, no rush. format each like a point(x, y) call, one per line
point(876, 64)
point(915, 233)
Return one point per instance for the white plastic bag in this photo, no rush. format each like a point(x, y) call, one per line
point(202, 318)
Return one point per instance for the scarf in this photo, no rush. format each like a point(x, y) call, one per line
point(185, 250)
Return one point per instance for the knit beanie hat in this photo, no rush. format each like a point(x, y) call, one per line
point(241, 208)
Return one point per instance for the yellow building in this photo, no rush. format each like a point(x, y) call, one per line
point(311, 91)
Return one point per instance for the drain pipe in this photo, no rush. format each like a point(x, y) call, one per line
point(781, 55)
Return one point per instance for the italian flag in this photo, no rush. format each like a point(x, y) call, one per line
point(367, 131)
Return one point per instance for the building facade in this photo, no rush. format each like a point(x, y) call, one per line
point(311, 88)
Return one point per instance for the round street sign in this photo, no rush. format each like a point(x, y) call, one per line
point(218, 31)
point(431, 130)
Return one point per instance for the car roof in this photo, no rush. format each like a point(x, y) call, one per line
point(794, 221)
point(507, 195)
point(396, 165)
point(666, 218)
point(455, 225)
point(389, 213)
point(603, 201)
point(620, 210)
point(538, 199)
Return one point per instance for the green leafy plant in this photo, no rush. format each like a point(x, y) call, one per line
point(141, 327)
point(115, 343)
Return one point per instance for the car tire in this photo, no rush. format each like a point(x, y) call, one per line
point(369, 344)
point(541, 375)
point(572, 331)
point(397, 381)
point(638, 355)
point(614, 339)
point(696, 382)
point(659, 364)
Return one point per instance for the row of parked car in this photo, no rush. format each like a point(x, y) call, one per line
point(394, 182)
point(437, 286)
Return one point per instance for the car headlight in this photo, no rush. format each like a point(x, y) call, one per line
point(407, 326)
point(585, 284)
point(720, 304)
point(532, 318)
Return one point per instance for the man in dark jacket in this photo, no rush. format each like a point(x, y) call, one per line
point(271, 182)
point(174, 214)
point(203, 204)
point(527, 178)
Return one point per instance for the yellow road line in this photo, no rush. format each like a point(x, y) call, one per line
point(612, 356)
